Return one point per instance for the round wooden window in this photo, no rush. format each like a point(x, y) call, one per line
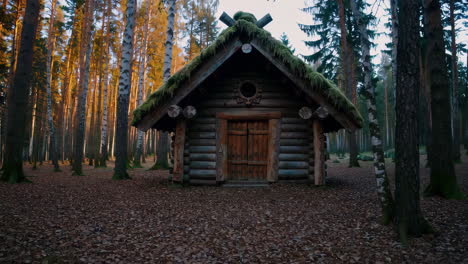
point(248, 90)
point(248, 93)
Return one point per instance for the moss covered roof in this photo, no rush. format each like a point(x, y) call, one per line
point(245, 25)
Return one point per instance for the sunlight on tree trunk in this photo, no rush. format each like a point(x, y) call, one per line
point(125, 81)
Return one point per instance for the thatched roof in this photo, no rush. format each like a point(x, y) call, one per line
point(245, 26)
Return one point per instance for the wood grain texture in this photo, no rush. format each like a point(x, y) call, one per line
point(273, 153)
point(179, 145)
point(221, 150)
point(319, 149)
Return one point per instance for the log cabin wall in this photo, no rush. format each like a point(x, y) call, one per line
point(219, 94)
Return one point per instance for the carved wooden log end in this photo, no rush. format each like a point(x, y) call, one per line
point(174, 111)
point(305, 112)
point(190, 112)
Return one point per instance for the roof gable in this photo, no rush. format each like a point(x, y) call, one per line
point(188, 78)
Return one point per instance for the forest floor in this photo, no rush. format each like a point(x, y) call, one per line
point(93, 219)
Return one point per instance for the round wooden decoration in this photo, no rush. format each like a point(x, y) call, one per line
point(189, 111)
point(246, 48)
point(322, 112)
point(173, 111)
point(248, 93)
point(305, 112)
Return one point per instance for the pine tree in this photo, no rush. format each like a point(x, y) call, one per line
point(12, 170)
point(348, 65)
point(285, 40)
point(409, 218)
point(50, 54)
point(85, 58)
point(443, 178)
point(141, 82)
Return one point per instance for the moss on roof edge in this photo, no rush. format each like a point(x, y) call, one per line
point(318, 83)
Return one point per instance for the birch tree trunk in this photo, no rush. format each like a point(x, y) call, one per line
point(121, 137)
point(383, 187)
point(80, 121)
point(443, 178)
point(12, 170)
point(347, 62)
point(101, 162)
point(141, 82)
point(163, 141)
point(50, 119)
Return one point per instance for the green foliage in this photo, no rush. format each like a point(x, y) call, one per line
point(326, 32)
point(285, 40)
point(318, 83)
point(245, 16)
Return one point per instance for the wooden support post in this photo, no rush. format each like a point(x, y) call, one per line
point(221, 150)
point(179, 144)
point(274, 127)
point(319, 153)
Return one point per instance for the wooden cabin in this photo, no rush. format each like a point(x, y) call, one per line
point(247, 109)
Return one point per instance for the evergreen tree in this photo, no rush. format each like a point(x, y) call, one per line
point(12, 170)
point(443, 178)
point(409, 218)
point(285, 40)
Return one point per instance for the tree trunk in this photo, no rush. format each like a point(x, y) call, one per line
point(80, 120)
point(163, 142)
point(347, 63)
point(141, 82)
point(125, 81)
point(383, 187)
point(409, 218)
point(12, 170)
point(456, 103)
point(443, 179)
point(50, 120)
point(101, 162)
point(395, 30)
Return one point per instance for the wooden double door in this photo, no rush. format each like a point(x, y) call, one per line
point(247, 153)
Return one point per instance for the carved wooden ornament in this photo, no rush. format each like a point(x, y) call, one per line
point(248, 93)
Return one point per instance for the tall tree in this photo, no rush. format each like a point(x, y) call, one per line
point(443, 179)
point(454, 69)
point(85, 57)
point(12, 170)
point(409, 218)
point(141, 82)
point(347, 64)
point(125, 82)
point(101, 162)
point(163, 142)
point(50, 120)
point(383, 187)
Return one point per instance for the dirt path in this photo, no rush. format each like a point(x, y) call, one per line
point(92, 219)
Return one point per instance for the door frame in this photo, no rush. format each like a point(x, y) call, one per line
point(274, 131)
